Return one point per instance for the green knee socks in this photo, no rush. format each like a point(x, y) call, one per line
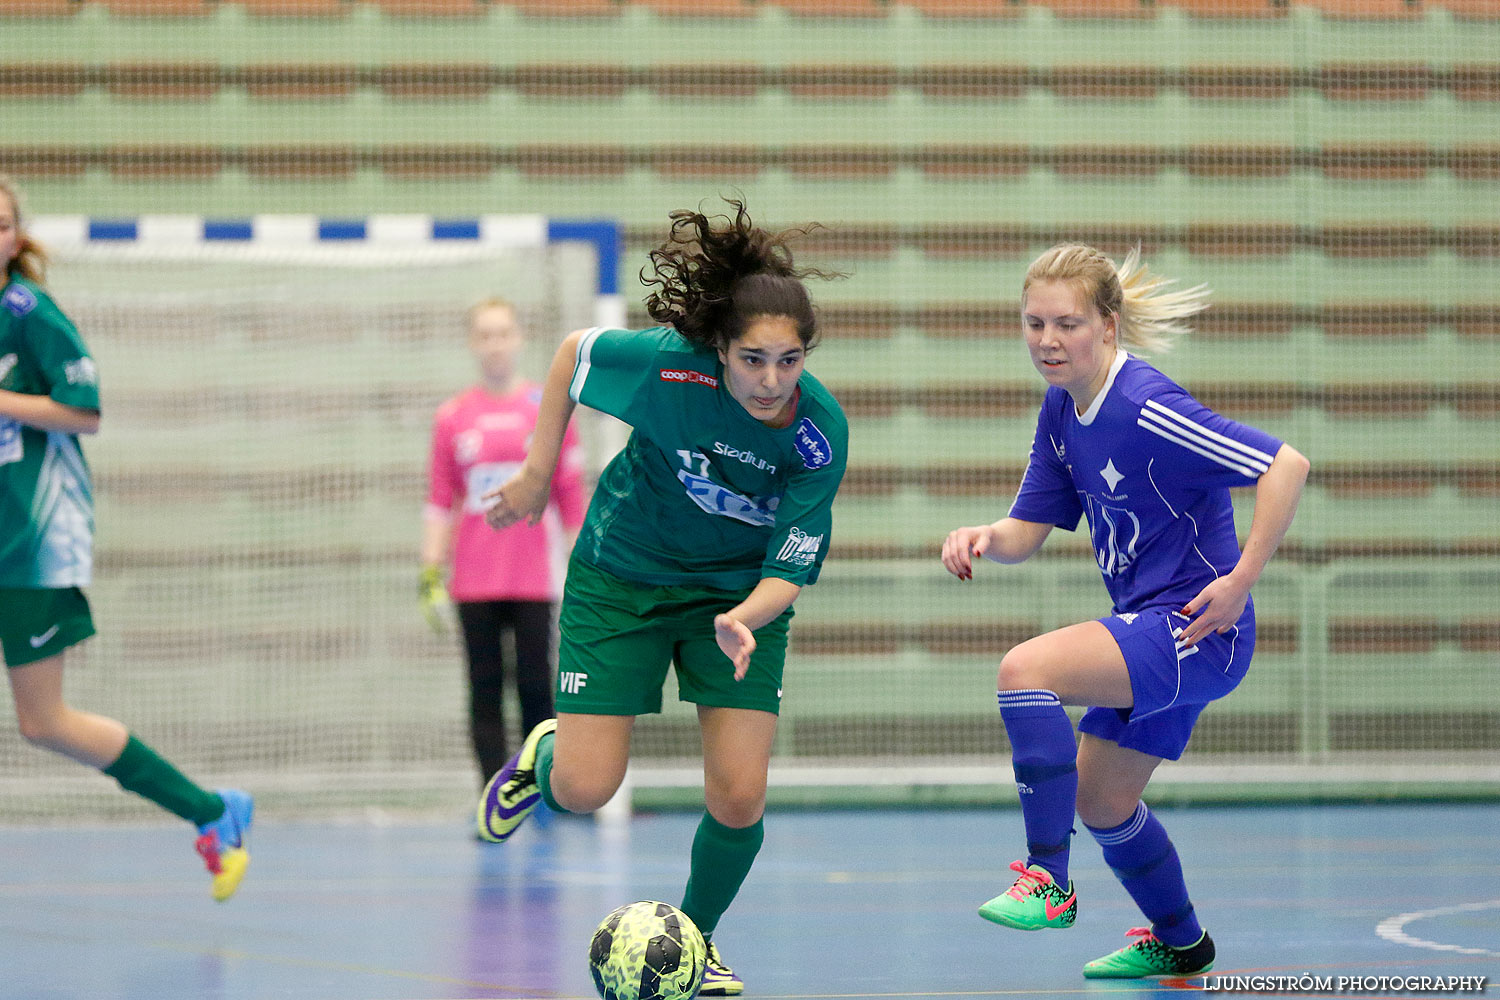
point(141, 771)
point(721, 859)
point(543, 768)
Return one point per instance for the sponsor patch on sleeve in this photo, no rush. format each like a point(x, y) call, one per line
point(800, 548)
point(81, 371)
point(19, 299)
point(814, 448)
point(689, 376)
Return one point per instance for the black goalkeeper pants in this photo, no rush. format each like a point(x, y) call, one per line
point(484, 624)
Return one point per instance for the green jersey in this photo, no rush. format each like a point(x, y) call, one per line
point(46, 500)
point(703, 492)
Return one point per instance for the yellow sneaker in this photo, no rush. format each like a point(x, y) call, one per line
point(222, 842)
point(512, 794)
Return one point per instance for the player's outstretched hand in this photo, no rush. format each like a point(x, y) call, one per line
point(522, 497)
point(962, 546)
point(737, 642)
point(1218, 606)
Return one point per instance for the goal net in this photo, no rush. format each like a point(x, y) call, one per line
point(268, 391)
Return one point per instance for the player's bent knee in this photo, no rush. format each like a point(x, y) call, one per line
point(585, 794)
point(736, 807)
point(1019, 672)
point(39, 731)
point(1102, 810)
point(738, 815)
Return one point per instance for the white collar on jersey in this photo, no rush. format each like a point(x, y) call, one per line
point(1087, 417)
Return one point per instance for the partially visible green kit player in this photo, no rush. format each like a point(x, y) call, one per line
point(49, 394)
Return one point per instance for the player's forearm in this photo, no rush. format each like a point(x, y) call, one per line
point(47, 414)
point(766, 602)
point(1277, 494)
point(1013, 541)
point(555, 411)
point(437, 528)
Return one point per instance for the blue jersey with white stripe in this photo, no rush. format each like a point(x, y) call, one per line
point(1151, 467)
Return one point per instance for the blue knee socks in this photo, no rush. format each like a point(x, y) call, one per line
point(1045, 757)
point(1144, 860)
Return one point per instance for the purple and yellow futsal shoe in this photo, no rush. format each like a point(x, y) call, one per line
point(512, 794)
point(719, 979)
point(1151, 958)
point(221, 842)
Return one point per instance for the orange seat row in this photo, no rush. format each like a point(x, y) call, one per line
point(1225, 321)
point(1367, 80)
point(1360, 400)
point(1363, 162)
point(981, 638)
point(1368, 240)
point(1340, 479)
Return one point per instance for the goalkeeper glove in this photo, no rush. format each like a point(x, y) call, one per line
point(434, 598)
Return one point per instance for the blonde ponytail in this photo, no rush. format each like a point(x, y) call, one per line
point(1148, 318)
point(30, 261)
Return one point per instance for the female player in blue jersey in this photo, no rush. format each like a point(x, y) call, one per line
point(49, 394)
point(1151, 468)
point(700, 535)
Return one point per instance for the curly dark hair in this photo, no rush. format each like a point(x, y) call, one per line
point(715, 274)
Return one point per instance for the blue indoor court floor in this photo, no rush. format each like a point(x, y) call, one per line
point(866, 904)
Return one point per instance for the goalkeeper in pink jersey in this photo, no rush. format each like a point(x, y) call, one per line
point(703, 531)
point(49, 395)
point(500, 581)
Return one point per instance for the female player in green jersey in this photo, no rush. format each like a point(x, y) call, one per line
point(49, 394)
point(701, 533)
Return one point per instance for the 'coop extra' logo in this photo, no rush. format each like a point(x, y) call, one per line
point(689, 376)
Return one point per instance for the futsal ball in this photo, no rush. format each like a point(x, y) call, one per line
point(647, 951)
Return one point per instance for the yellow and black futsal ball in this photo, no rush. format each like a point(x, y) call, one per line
point(647, 951)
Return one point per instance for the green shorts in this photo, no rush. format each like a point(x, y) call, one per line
point(36, 623)
point(618, 637)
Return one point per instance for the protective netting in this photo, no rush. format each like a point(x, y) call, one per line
point(1329, 168)
point(259, 481)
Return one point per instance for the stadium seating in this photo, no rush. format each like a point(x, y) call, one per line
point(296, 8)
point(832, 8)
point(968, 8)
point(1097, 8)
point(1368, 10)
point(158, 8)
point(700, 8)
point(1327, 166)
point(39, 8)
point(1235, 9)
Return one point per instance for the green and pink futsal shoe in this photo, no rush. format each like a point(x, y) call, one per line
point(1034, 902)
point(1151, 958)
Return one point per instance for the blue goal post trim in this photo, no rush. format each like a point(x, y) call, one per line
point(518, 231)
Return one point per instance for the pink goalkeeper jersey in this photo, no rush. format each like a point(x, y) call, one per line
point(478, 442)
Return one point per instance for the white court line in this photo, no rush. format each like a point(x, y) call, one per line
point(1393, 928)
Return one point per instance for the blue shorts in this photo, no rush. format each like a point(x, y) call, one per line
point(1171, 685)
